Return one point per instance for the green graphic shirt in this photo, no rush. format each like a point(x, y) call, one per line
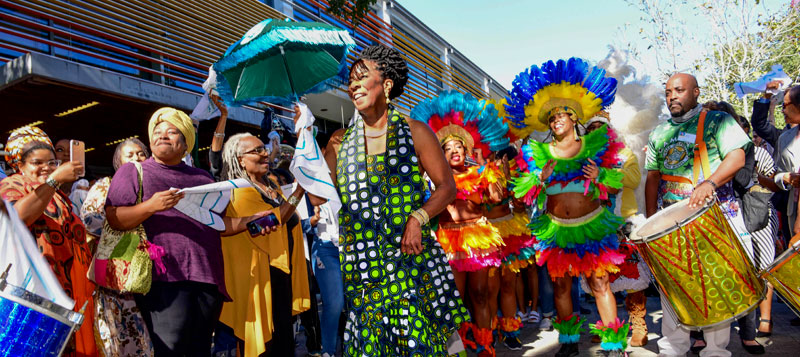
point(670, 149)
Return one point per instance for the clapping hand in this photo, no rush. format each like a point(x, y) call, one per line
point(547, 170)
point(591, 171)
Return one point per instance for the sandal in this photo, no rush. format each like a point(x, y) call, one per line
point(533, 317)
point(760, 333)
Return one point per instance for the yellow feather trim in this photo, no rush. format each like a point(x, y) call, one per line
point(564, 94)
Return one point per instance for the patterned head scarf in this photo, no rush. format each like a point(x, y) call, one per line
point(19, 139)
point(174, 117)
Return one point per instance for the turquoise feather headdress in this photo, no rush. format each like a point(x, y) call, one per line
point(455, 115)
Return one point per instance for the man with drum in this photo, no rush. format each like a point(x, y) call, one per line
point(672, 177)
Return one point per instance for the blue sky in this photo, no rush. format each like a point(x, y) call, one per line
point(505, 36)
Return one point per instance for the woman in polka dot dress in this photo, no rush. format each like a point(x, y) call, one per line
point(399, 291)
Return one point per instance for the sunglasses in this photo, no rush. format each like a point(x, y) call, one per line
point(259, 150)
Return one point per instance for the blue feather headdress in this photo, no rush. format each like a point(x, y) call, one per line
point(571, 86)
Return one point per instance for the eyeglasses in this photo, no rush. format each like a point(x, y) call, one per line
point(258, 150)
point(50, 163)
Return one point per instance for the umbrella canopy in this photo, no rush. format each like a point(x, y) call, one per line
point(277, 61)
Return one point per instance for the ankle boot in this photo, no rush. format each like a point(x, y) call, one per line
point(636, 305)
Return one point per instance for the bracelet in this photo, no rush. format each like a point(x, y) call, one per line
point(219, 135)
point(293, 200)
point(421, 216)
point(714, 184)
point(52, 182)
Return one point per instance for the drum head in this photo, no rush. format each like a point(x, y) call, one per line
point(667, 220)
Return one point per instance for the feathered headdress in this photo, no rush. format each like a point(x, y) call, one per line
point(565, 86)
point(453, 115)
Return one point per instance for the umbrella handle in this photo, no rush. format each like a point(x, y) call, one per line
point(288, 75)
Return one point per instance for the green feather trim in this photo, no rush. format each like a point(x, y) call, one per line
point(610, 339)
point(546, 230)
point(569, 327)
point(591, 144)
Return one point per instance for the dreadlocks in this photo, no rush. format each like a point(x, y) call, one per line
point(390, 63)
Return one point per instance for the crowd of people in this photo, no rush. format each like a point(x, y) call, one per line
point(438, 250)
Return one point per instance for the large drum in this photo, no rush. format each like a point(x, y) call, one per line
point(699, 265)
point(31, 325)
point(784, 275)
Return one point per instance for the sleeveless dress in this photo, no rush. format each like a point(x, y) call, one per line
point(397, 304)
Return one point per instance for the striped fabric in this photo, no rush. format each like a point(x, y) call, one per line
point(764, 239)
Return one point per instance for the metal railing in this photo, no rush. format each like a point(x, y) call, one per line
point(174, 43)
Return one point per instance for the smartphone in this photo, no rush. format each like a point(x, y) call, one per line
point(77, 152)
point(255, 226)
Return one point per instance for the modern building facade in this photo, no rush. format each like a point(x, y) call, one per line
point(95, 70)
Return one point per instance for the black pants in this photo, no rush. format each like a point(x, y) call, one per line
point(282, 343)
point(181, 317)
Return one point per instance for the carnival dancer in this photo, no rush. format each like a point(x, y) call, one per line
point(634, 275)
point(399, 291)
point(467, 127)
point(568, 178)
point(672, 177)
point(510, 218)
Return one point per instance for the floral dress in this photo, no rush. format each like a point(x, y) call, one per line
point(118, 322)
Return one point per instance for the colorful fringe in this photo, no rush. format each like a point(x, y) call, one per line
point(484, 339)
point(470, 184)
point(470, 246)
point(491, 173)
point(509, 326)
point(581, 246)
point(633, 274)
point(613, 337)
point(519, 251)
point(601, 146)
point(463, 330)
point(569, 330)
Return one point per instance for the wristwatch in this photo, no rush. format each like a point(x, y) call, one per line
point(52, 183)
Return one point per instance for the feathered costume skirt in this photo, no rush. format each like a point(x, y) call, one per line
point(578, 246)
point(471, 245)
point(519, 251)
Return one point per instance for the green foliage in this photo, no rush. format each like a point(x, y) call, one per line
point(355, 10)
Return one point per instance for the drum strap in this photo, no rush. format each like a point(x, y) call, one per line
point(700, 151)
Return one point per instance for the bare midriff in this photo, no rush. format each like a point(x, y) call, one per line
point(461, 211)
point(499, 211)
point(571, 205)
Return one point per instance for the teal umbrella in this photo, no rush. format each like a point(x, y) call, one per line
point(279, 60)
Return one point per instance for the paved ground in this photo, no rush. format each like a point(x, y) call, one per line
point(785, 340)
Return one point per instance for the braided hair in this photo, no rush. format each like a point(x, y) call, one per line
point(231, 169)
point(390, 63)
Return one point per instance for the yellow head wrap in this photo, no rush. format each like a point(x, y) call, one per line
point(177, 118)
point(19, 139)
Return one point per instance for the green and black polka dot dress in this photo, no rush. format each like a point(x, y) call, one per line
point(397, 304)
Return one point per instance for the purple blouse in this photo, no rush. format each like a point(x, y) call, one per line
point(193, 250)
